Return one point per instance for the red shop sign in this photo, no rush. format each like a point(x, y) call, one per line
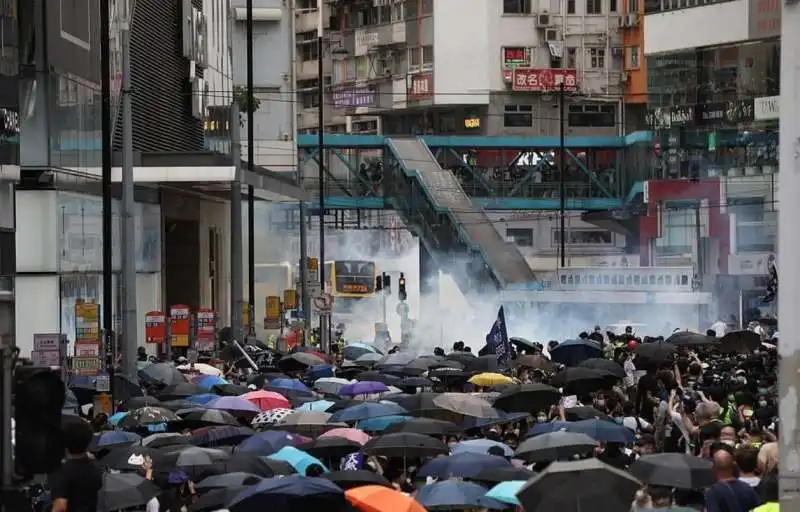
point(420, 87)
point(179, 325)
point(206, 329)
point(155, 327)
point(544, 80)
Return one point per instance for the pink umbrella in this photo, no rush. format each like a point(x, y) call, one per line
point(267, 400)
point(351, 434)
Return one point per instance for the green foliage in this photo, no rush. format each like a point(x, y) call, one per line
point(247, 103)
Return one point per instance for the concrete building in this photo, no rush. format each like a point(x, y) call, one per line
point(418, 66)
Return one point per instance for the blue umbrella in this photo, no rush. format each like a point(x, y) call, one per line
point(209, 381)
point(462, 465)
point(381, 423)
point(234, 403)
point(366, 387)
point(202, 399)
point(289, 384)
point(115, 418)
point(291, 492)
point(574, 352)
point(113, 438)
point(317, 406)
point(298, 459)
point(481, 446)
point(506, 492)
point(503, 418)
point(367, 411)
point(599, 430)
point(452, 494)
point(266, 443)
point(223, 436)
point(319, 371)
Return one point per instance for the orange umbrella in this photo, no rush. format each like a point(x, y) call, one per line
point(376, 498)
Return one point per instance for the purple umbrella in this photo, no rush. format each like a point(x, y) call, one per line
point(366, 387)
point(233, 404)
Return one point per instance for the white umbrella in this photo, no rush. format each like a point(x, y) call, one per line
point(330, 384)
point(202, 368)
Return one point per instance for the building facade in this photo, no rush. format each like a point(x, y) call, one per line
point(418, 66)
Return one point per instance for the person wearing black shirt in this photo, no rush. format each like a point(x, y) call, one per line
point(76, 484)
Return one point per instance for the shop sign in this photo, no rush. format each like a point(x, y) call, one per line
point(750, 264)
point(544, 80)
point(767, 108)
point(420, 86)
point(724, 112)
point(354, 97)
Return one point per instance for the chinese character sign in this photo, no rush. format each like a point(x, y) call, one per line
point(179, 325)
point(206, 329)
point(155, 327)
point(544, 80)
point(420, 87)
point(355, 97)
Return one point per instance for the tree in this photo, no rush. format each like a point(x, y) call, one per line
point(247, 102)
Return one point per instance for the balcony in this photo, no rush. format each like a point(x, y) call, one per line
point(308, 69)
point(307, 21)
point(641, 279)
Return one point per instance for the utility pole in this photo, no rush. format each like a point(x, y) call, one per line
point(107, 218)
point(237, 285)
point(128, 228)
point(789, 269)
point(251, 158)
point(562, 187)
point(324, 319)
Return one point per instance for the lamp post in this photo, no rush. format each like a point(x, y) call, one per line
point(324, 329)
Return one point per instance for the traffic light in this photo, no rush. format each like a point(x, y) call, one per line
point(39, 395)
point(378, 283)
point(401, 287)
point(387, 282)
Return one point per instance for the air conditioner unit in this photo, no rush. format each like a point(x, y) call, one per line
point(551, 34)
point(543, 20)
point(624, 77)
point(623, 21)
point(633, 19)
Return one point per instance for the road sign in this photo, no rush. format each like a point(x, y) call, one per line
point(323, 302)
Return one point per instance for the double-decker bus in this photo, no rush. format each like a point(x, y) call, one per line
point(353, 288)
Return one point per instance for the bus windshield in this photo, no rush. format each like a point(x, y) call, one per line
point(354, 277)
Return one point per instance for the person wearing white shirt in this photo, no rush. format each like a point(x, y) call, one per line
point(719, 327)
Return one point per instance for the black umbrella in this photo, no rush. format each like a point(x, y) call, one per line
point(688, 338)
point(420, 365)
point(165, 439)
point(743, 342)
point(440, 374)
point(579, 486)
point(230, 389)
point(227, 480)
point(389, 380)
point(180, 390)
point(180, 404)
point(555, 445)
point(585, 413)
point(147, 416)
point(129, 458)
point(674, 470)
point(405, 445)
point(161, 375)
point(359, 478)
point(447, 363)
point(527, 398)
point(487, 363)
point(578, 374)
point(299, 361)
point(243, 462)
point(535, 362)
point(656, 352)
point(138, 402)
point(502, 474)
point(465, 358)
point(330, 447)
point(426, 426)
point(208, 417)
point(228, 435)
point(414, 382)
point(125, 490)
point(604, 365)
point(216, 499)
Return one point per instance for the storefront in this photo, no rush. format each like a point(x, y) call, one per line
point(441, 121)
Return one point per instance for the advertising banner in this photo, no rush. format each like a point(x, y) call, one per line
point(88, 346)
point(179, 325)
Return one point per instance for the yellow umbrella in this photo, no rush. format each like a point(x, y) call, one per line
point(490, 379)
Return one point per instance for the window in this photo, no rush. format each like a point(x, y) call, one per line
point(594, 6)
point(572, 58)
point(612, 5)
point(398, 11)
point(516, 6)
point(570, 6)
point(597, 58)
point(427, 57)
point(592, 115)
point(307, 41)
point(633, 5)
point(633, 57)
point(523, 237)
point(679, 233)
point(414, 59)
point(518, 116)
point(584, 237)
point(362, 67)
